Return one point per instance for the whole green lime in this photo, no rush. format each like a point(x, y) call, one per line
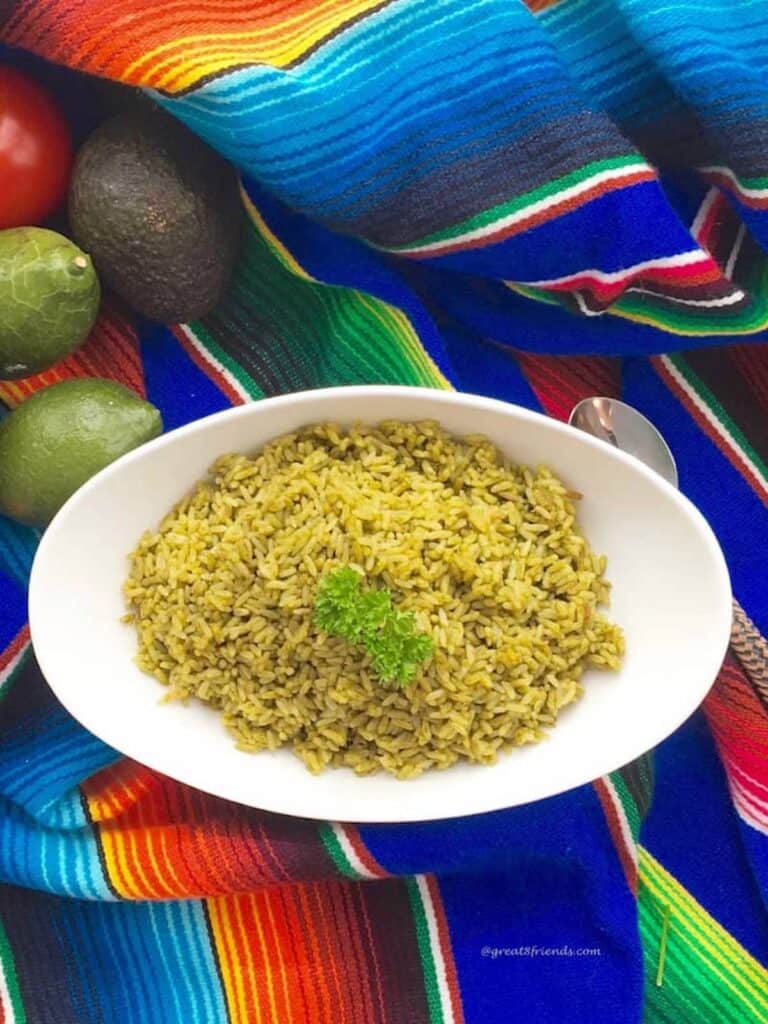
point(49, 298)
point(60, 437)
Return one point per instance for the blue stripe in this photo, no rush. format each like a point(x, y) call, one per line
point(66, 863)
point(17, 549)
point(697, 800)
point(640, 216)
point(13, 609)
point(736, 514)
point(181, 390)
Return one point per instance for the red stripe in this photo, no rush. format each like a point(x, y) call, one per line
point(739, 724)
point(15, 647)
point(551, 213)
point(617, 833)
point(445, 948)
point(724, 182)
point(728, 450)
point(705, 230)
point(752, 363)
point(692, 275)
point(562, 381)
point(207, 367)
point(367, 859)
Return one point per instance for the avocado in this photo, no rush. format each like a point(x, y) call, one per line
point(159, 211)
point(49, 298)
point(61, 436)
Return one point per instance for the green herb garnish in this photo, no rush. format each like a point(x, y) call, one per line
point(367, 617)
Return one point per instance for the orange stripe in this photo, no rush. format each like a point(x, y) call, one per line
point(283, 1005)
point(304, 967)
point(311, 933)
point(246, 962)
point(222, 926)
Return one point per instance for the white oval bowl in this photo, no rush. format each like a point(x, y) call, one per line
point(671, 594)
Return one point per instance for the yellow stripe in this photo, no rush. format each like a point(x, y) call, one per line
point(686, 332)
point(178, 892)
point(11, 394)
point(231, 976)
point(281, 252)
point(291, 40)
point(249, 964)
point(149, 841)
point(718, 942)
point(111, 840)
point(383, 312)
point(138, 868)
point(115, 863)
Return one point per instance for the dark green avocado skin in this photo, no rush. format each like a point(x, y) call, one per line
point(159, 212)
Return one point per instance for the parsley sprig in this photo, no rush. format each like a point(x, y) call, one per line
point(368, 618)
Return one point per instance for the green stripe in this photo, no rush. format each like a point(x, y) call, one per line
point(681, 364)
point(759, 183)
point(749, 320)
point(9, 679)
point(12, 984)
point(214, 349)
point(752, 319)
point(687, 947)
point(292, 333)
point(551, 188)
point(691, 990)
point(628, 803)
point(335, 852)
point(425, 951)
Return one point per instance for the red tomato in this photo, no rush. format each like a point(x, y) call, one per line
point(35, 151)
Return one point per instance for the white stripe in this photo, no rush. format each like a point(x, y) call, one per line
point(233, 382)
point(441, 973)
point(712, 419)
point(349, 852)
point(745, 775)
point(701, 216)
point(581, 302)
point(730, 265)
point(5, 997)
point(13, 664)
point(725, 300)
point(626, 831)
point(614, 174)
point(757, 821)
point(726, 172)
point(683, 259)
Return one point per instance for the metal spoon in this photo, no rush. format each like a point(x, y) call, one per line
point(624, 427)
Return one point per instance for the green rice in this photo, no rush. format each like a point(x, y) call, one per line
point(486, 555)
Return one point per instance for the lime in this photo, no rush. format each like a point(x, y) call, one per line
point(49, 298)
point(56, 440)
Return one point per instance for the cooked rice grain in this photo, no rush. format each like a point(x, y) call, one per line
point(486, 555)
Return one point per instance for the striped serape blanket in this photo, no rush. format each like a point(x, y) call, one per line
point(534, 201)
